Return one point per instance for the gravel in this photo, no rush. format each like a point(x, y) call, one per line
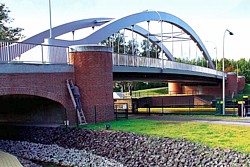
point(53, 154)
point(116, 148)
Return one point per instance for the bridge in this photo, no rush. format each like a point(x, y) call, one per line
point(36, 69)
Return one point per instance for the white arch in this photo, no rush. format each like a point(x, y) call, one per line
point(85, 23)
point(118, 24)
point(114, 26)
point(65, 28)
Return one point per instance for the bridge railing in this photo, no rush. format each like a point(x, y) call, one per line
point(135, 61)
point(49, 54)
point(33, 53)
point(189, 67)
point(139, 61)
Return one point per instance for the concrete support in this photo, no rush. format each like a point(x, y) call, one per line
point(174, 88)
point(213, 90)
point(94, 77)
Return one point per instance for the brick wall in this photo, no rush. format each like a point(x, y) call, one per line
point(215, 90)
point(48, 85)
point(231, 84)
point(94, 77)
point(241, 83)
point(164, 101)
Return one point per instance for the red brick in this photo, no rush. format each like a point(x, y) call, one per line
point(93, 75)
point(48, 85)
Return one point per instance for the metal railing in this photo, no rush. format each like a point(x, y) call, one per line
point(139, 61)
point(33, 53)
point(50, 54)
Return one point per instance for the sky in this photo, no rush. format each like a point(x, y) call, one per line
point(209, 19)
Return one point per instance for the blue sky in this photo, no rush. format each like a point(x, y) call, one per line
point(209, 19)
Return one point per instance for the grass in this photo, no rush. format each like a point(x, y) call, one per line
point(213, 135)
point(150, 92)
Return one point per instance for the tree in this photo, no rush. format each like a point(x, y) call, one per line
point(119, 43)
point(244, 68)
point(133, 48)
point(8, 33)
point(227, 63)
point(149, 50)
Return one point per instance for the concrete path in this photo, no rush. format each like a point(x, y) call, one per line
point(8, 160)
point(220, 120)
point(226, 122)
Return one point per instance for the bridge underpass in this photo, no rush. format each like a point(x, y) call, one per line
point(30, 110)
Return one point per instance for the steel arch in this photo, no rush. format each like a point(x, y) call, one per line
point(115, 25)
point(85, 23)
point(65, 28)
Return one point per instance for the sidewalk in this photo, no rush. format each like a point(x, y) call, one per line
point(229, 122)
point(8, 160)
point(220, 120)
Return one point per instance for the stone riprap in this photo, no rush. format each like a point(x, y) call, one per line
point(129, 149)
point(54, 154)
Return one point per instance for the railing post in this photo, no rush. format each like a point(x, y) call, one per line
point(162, 106)
point(118, 58)
point(134, 60)
point(68, 57)
point(8, 51)
point(127, 64)
point(42, 54)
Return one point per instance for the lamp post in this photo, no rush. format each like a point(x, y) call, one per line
point(50, 21)
point(223, 76)
point(215, 47)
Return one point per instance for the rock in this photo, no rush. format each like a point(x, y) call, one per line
point(75, 147)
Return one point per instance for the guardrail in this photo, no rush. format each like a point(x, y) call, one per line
point(50, 54)
point(139, 61)
point(33, 53)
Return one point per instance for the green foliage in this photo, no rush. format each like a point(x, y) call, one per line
point(199, 62)
point(247, 89)
point(213, 135)
point(149, 50)
point(242, 66)
point(245, 92)
point(8, 33)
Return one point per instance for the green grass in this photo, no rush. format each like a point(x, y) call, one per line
point(150, 92)
point(213, 135)
point(245, 92)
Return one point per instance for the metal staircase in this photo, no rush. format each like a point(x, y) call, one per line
point(80, 114)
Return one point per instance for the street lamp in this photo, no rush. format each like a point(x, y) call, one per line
point(215, 47)
point(50, 21)
point(223, 76)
